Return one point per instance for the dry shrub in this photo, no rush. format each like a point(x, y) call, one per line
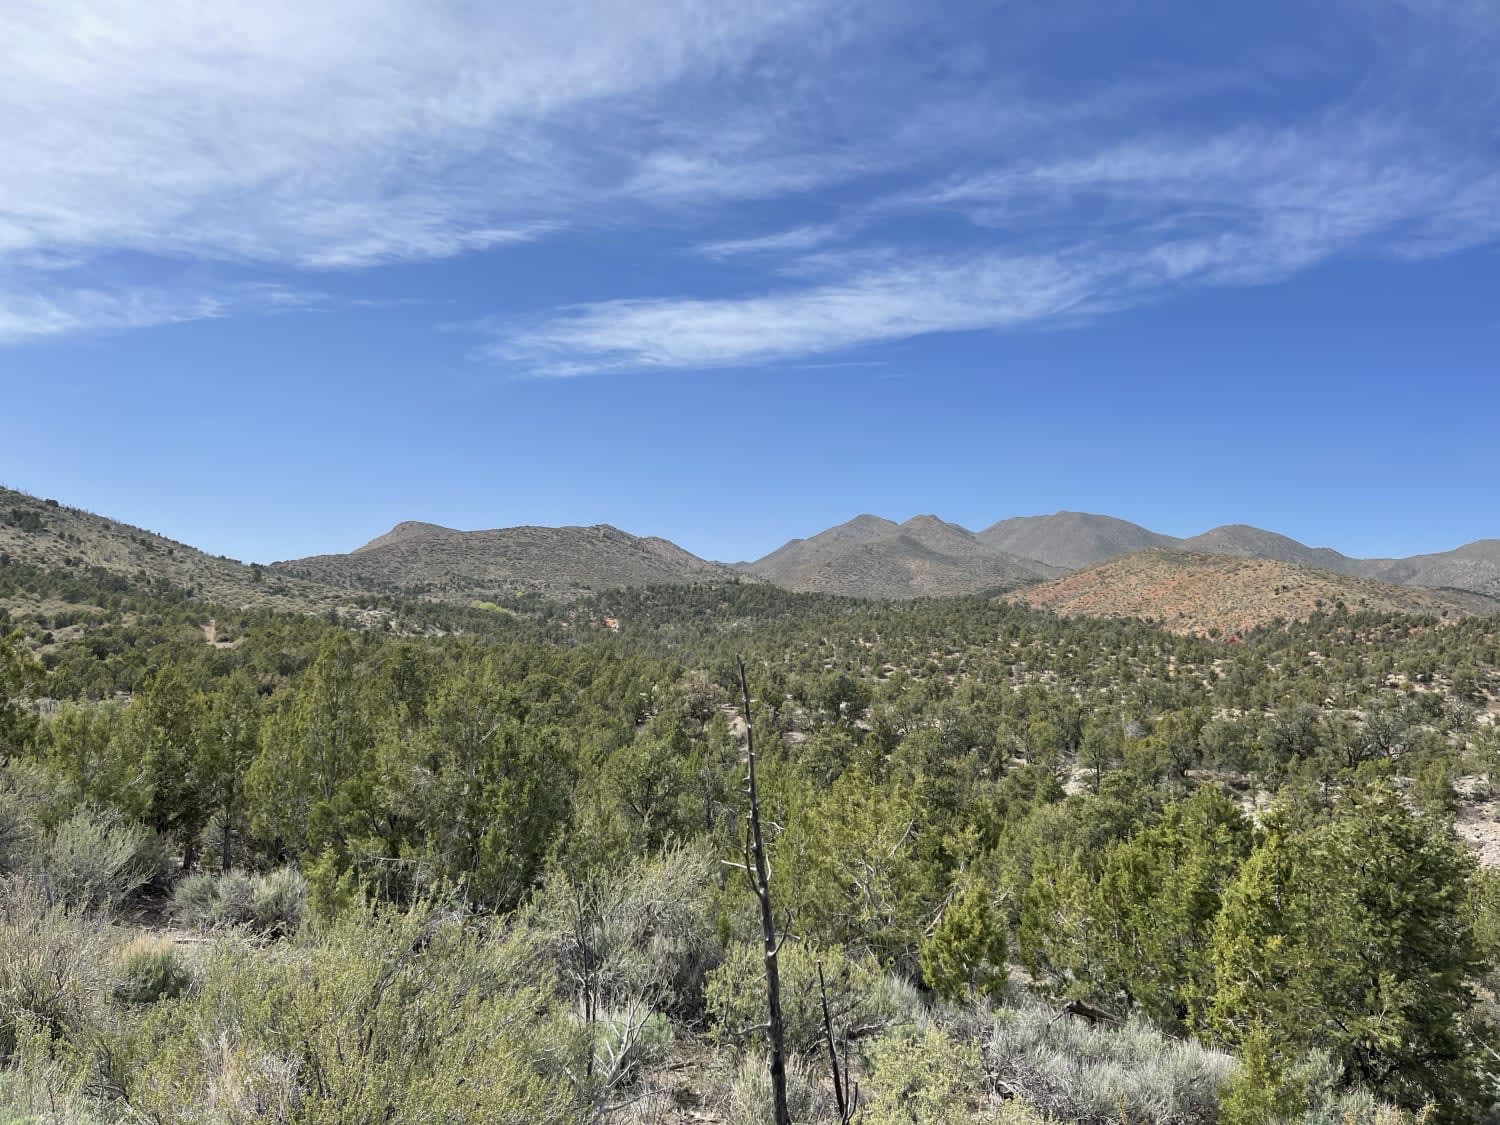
point(149, 969)
point(95, 859)
point(273, 904)
point(55, 965)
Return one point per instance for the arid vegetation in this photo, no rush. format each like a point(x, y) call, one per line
point(420, 862)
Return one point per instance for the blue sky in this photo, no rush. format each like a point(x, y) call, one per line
point(274, 277)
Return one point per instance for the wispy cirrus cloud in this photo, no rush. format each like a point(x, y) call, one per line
point(68, 311)
point(934, 296)
point(334, 136)
point(777, 242)
point(1123, 225)
point(818, 175)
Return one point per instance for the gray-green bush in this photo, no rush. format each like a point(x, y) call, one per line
point(96, 859)
point(150, 969)
point(643, 930)
point(1078, 1072)
point(273, 904)
point(54, 968)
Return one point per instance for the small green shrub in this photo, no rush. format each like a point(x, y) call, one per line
point(38, 1089)
point(966, 951)
point(861, 998)
point(927, 1076)
point(149, 970)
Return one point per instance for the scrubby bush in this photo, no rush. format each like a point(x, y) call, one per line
point(279, 902)
point(148, 970)
point(1081, 1073)
point(234, 900)
point(862, 999)
point(748, 1099)
point(629, 1041)
point(17, 830)
point(272, 904)
point(643, 930)
point(1306, 1090)
point(53, 965)
point(927, 1076)
point(35, 1089)
point(97, 859)
point(400, 1017)
point(194, 899)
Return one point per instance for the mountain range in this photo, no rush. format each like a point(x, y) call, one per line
point(871, 557)
point(867, 556)
point(1072, 562)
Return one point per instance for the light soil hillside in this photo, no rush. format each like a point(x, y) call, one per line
point(1220, 595)
point(49, 535)
point(1071, 540)
point(463, 566)
point(869, 557)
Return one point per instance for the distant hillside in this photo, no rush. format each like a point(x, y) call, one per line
point(870, 557)
point(1071, 540)
point(864, 557)
point(49, 535)
point(1196, 593)
point(1474, 566)
point(1254, 543)
point(427, 560)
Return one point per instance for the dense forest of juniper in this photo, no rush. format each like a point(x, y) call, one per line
point(420, 863)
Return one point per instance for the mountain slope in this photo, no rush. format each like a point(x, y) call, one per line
point(49, 535)
point(462, 566)
point(1474, 566)
point(865, 557)
point(1198, 593)
point(1243, 541)
point(870, 557)
point(1071, 540)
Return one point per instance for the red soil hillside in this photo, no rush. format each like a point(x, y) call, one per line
point(1226, 596)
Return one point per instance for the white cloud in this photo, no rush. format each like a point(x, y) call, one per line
point(290, 137)
point(330, 134)
point(934, 296)
point(31, 317)
point(1124, 224)
point(795, 239)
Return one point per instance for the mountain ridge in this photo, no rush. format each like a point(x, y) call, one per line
point(1047, 545)
point(425, 559)
point(868, 556)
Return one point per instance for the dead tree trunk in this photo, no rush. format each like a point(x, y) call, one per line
point(845, 1095)
point(759, 872)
